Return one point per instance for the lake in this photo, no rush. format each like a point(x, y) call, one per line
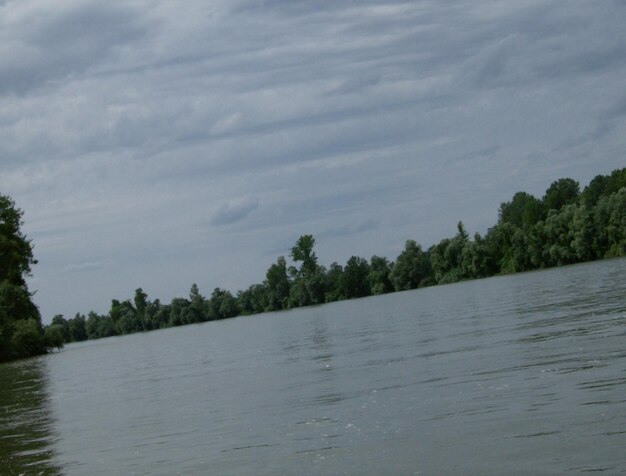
point(520, 374)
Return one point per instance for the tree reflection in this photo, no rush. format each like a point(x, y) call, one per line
point(25, 421)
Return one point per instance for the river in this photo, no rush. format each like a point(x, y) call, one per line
point(520, 374)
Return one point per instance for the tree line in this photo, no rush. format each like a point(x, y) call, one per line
point(564, 226)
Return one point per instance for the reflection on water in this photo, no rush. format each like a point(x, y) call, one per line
point(25, 422)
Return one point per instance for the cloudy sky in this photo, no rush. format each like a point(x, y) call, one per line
point(156, 144)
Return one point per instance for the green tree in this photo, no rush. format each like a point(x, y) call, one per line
point(498, 243)
point(523, 210)
point(228, 306)
point(309, 284)
point(17, 303)
point(17, 338)
point(298, 294)
point(278, 285)
point(303, 252)
point(141, 302)
point(98, 326)
point(198, 307)
point(354, 279)
point(54, 336)
point(479, 257)
point(222, 304)
point(596, 188)
point(563, 192)
point(254, 300)
point(309, 289)
point(78, 329)
point(584, 233)
point(378, 276)
point(92, 324)
point(16, 251)
point(149, 321)
point(125, 317)
point(179, 312)
point(610, 224)
point(63, 325)
point(334, 286)
point(603, 185)
point(411, 267)
point(28, 338)
point(316, 286)
point(559, 237)
point(447, 257)
point(160, 314)
point(106, 327)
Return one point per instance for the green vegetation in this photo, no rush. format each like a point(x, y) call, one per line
point(564, 226)
point(21, 332)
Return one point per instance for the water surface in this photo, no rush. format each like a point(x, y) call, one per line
point(521, 374)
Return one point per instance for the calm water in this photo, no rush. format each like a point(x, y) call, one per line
point(522, 374)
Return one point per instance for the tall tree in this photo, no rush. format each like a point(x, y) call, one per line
point(309, 285)
point(303, 252)
point(17, 338)
point(277, 285)
point(198, 306)
point(16, 251)
point(141, 302)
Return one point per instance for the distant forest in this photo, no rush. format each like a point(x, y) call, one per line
point(565, 226)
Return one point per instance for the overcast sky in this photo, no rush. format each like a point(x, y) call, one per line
point(155, 144)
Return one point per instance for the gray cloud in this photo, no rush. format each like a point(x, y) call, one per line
point(87, 266)
point(50, 41)
point(349, 230)
point(234, 211)
point(126, 128)
point(494, 65)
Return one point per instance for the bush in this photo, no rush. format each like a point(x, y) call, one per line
point(54, 337)
point(28, 338)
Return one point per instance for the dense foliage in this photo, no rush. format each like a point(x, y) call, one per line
point(21, 332)
point(564, 226)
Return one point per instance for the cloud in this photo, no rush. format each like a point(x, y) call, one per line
point(362, 123)
point(494, 65)
point(234, 211)
point(348, 230)
point(227, 124)
point(86, 266)
point(45, 41)
point(358, 84)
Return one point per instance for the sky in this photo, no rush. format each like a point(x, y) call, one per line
point(157, 144)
